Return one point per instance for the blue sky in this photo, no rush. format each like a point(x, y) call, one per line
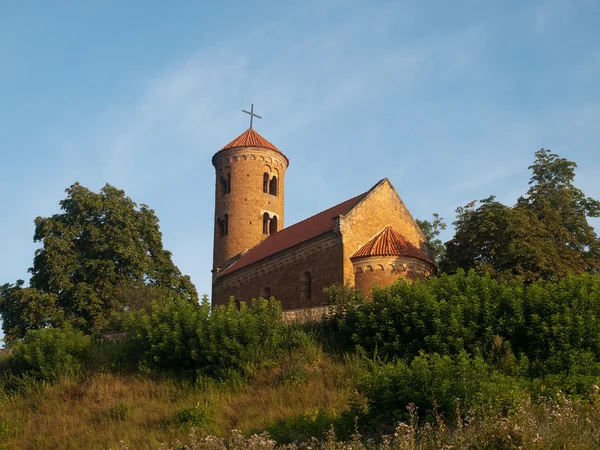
point(449, 100)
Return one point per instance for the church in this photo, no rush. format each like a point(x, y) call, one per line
point(369, 239)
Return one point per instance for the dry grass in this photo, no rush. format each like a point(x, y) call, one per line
point(104, 409)
point(547, 425)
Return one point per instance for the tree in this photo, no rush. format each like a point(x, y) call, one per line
point(545, 235)
point(431, 230)
point(563, 209)
point(94, 254)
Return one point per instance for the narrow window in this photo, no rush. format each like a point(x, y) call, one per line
point(223, 185)
point(273, 186)
point(266, 183)
point(306, 286)
point(273, 225)
point(265, 292)
point(228, 184)
point(226, 224)
point(265, 223)
point(220, 227)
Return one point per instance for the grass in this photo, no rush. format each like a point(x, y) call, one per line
point(103, 409)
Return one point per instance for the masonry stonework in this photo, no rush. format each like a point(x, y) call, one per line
point(370, 239)
point(382, 271)
point(282, 275)
point(381, 207)
point(246, 203)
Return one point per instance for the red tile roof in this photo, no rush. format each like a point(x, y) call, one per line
point(250, 138)
point(388, 242)
point(293, 235)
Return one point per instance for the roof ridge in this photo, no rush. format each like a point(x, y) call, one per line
point(325, 210)
point(306, 229)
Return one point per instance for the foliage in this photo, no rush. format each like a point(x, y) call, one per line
point(177, 334)
point(99, 251)
point(434, 384)
point(545, 235)
point(432, 230)
point(539, 325)
point(50, 353)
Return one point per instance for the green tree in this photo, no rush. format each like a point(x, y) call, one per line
point(94, 254)
point(545, 235)
point(432, 230)
point(563, 209)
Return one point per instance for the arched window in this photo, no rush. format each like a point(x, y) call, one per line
point(273, 226)
point(306, 286)
point(265, 223)
point(273, 186)
point(266, 183)
point(265, 292)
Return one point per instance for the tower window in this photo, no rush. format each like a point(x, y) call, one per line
point(223, 225)
point(266, 223)
point(225, 184)
point(306, 286)
point(273, 225)
point(265, 292)
point(266, 183)
point(273, 186)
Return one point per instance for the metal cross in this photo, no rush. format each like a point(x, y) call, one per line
point(252, 115)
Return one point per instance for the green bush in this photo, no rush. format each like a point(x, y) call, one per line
point(222, 342)
point(543, 321)
point(302, 428)
point(200, 416)
point(434, 384)
point(50, 353)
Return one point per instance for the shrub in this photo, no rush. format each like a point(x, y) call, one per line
point(199, 416)
point(543, 321)
point(50, 353)
point(435, 383)
point(223, 341)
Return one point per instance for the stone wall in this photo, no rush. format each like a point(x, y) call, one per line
point(384, 270)
point(304, 315)
point(282, 275)
point(381, 207)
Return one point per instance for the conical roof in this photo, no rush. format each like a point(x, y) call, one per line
point(250, 138)
point(388, 242)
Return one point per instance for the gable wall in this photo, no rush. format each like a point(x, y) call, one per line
point(322, 257)
point(381, 207)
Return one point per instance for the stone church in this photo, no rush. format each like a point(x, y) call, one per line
point(369, 239)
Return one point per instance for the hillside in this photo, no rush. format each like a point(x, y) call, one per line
point(459, 360)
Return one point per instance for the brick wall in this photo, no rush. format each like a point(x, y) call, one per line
point(246, 202)
point(282, 274)
point(384, 270)
point(381, 207)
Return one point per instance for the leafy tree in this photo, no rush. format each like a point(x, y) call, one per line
point(431, 230)
point(94, 254)
point(545, 235)
point(563, 209)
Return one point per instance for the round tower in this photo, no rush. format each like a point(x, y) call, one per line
point(250, 173)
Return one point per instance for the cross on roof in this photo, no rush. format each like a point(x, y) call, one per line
point(252, 115)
